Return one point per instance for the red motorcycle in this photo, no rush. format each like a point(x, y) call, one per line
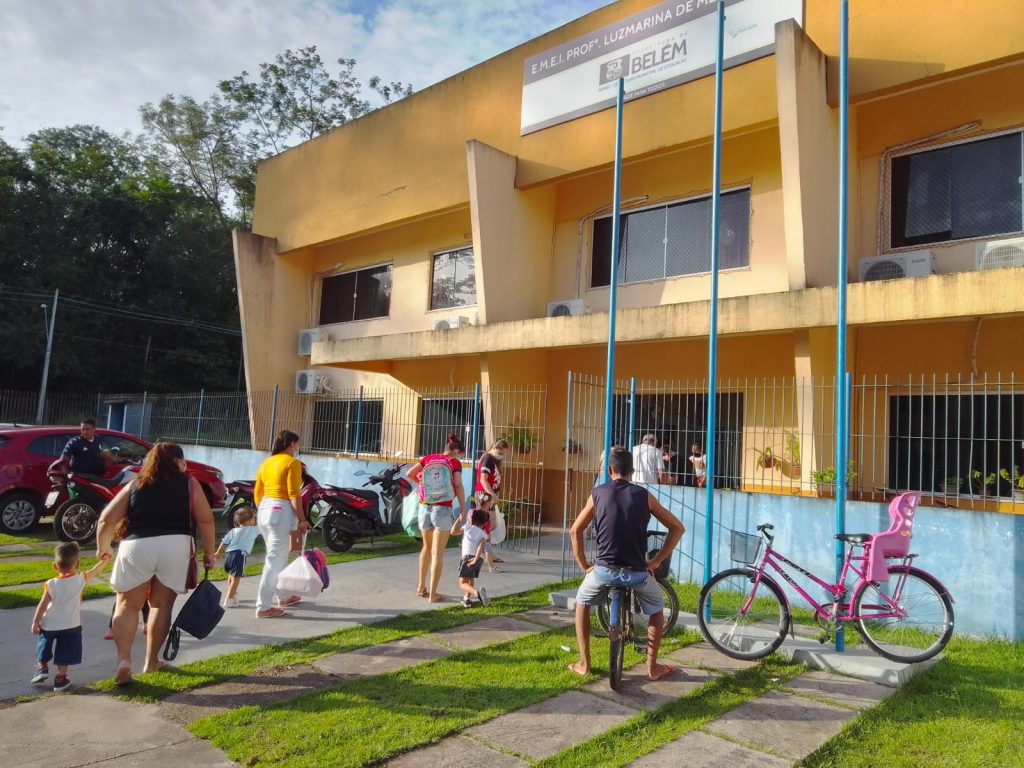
point(85, 497)
point(316, 499)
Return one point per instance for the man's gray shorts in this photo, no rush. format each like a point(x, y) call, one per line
point(594, 589)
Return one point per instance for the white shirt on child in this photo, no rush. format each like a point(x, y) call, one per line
point(471, 538)
point(65, 608)
point(241, 539)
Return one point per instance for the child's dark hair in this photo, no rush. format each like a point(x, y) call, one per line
point(244, 515)
point(455, 443)
point(479, 517)
point(65, 556)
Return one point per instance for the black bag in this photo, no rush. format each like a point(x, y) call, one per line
point(200, 614)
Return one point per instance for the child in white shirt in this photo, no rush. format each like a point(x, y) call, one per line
point(58, 617)
point(238, 543)
point(474, 538)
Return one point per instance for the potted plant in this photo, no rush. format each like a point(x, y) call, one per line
point(792, 452)
point(765, 458)
point(825, 479)
point(981, 483)
point(521, 437)
point(571, 446)
point(951, 486)
point(1016, 481)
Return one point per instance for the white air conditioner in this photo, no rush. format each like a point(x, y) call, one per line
point(451, 323)
point(306, 383)
point(567, 308)
point(1000, 253)
point(897, 265)
point(308, 338)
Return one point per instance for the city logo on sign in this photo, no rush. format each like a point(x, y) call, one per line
point(614, 69)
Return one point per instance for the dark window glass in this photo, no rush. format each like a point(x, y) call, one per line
point(441, 416)
point(50, 445)
point(673, 240)
point(953, 193)
point(127, 450)
point(340, 427)
point(454, 279)
point(359, 295)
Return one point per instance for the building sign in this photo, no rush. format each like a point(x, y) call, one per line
point(665, 45)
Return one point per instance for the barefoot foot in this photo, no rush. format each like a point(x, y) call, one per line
point(660, 672)
point(579, 668)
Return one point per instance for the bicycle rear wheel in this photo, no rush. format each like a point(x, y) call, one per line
point(926, 626)
point(750, 634)
point(620, 600)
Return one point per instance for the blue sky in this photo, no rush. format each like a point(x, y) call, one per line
point(96, 61)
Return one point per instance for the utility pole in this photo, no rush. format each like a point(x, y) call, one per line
point(41, 407)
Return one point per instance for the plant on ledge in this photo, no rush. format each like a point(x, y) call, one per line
point(951, 486)
point(792, 453)
point(765, 458)
point(521, 437)
point(571, 446)
point(1016, 481)
point(828, 475)
point(982, 484)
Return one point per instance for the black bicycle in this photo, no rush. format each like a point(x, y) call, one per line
point(655, 539)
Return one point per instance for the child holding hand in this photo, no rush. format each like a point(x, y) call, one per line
point(58, 618)
point(238, 542)
point(474, 539)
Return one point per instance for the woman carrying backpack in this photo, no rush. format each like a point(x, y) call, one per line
point(439, 476)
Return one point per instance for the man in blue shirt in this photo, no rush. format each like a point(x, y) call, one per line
point(83, 455)
point(621, 512)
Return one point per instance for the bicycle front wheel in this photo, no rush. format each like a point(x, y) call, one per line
point(907, 619)
point(671, 608)
point(739, 620)
point(617, 636)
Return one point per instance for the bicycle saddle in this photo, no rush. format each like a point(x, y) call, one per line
point(855, 538)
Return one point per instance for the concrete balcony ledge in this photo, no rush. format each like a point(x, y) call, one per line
point(938, 297)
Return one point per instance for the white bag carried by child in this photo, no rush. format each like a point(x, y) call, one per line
point(497, 526)
point(300, 578)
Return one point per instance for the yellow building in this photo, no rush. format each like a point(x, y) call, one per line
point(439, 208)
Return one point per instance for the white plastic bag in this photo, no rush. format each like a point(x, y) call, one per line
point(299, 578)
point(411, 515)
point(497, 526)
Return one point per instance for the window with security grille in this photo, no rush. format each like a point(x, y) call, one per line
point(453, 282)
point(973, 189)
point(362, 294)
point(673, 240)
point(443, 415)
point(343, 426)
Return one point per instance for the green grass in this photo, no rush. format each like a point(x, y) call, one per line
point(967, 711)
point(7, 539)
point(33, 573)
point(159, 685)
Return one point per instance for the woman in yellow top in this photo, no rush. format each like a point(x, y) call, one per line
point(279, 512)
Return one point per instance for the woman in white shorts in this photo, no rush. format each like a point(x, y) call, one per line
point(159, 508)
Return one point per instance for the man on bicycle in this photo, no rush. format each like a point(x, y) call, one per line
point(621, 513)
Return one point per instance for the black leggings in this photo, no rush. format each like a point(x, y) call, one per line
point(145, 614)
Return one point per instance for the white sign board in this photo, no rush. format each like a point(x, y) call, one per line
point(665, 45)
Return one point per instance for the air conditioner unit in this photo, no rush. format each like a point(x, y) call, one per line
point(306, 382)
point(567, 308)
point(451, 323)
point(308, 338)
point(1000, 253)
point(897, 265)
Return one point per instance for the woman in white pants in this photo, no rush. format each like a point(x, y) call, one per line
point(279, 512)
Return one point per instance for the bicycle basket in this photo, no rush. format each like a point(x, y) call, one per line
point(745, 547)
point(655, 541)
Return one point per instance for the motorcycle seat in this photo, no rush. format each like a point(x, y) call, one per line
point(362, 493)
point(108, 482)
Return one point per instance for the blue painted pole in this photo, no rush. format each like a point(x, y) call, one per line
point(359, 421)
point(716, 194)
point(473, 436)
point(842, 377)
point(614, 280)
point(631, 440)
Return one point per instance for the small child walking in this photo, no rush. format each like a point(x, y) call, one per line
point(485, 501)
point(473, 541)
point(58, 617)
point(238, 544)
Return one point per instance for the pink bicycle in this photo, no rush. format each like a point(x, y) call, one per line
point(903, 613)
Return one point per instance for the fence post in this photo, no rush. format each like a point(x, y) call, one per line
point(473, 435)
point(142, 419)
point(632, 412)
point(199, 421)
point(568, 472)
point(359, 421)
point(273, 418)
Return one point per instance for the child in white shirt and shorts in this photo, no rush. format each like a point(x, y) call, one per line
point(474, 539)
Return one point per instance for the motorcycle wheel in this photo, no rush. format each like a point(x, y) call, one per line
point(75, 520)
point(316, 513)
point(336, 537)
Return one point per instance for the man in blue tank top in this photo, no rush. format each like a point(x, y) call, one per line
point(621, 512)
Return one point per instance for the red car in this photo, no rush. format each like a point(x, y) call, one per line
point(26, 452)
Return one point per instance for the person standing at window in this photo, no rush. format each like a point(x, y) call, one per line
point(700, 465)
point(647, 462)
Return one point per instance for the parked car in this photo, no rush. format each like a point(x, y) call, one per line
point(26, 452)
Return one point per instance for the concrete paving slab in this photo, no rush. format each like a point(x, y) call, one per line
point(378, 659)
point(17, 559)
point(639, 692)
point(550, 617)
point(704, 656)
point(374, 546)
point(702, 750)
point(783, 724)
point(857, 662)
point(101, 729)
point(15, 548)
point(558, 723)
point(469, 637)
point(564, 599)
point(455, 752)
point(845, 691)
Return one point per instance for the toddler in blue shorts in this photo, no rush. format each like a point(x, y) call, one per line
point(237, 546)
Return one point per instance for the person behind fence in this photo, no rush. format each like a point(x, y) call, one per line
point(279, 512)
point(161, 506)
point(647, 462)
point(489, 482)
point(621, 513)
point(236, 547)
point(58, 617)
point(700, 465)
point(439, 476)
point(474, 539)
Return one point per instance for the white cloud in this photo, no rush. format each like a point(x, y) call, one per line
point(96, 61)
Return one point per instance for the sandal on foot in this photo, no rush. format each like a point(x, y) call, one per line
point(289, 601)
point(271, 613)
point(668, 671)
point(422, 593)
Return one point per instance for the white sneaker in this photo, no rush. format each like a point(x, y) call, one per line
point(231, 603)
point(481, 595)
point(467, 602)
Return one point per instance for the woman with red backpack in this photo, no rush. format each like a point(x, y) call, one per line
point(439, 477)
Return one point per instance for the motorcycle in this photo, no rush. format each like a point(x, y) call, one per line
point(356, 513)
point(75, 519)
point(315, 498)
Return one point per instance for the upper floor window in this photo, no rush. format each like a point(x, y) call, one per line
point(672, 240)
point(359, 295)
point(453, 281)
point(957, 192)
